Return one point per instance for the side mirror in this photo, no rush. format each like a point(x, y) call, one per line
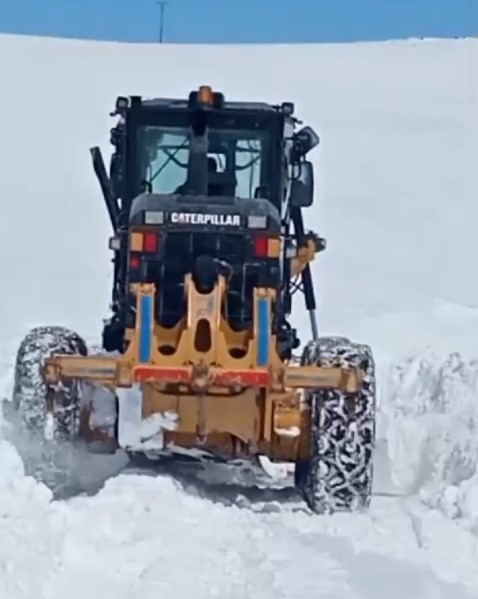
point(302, 188)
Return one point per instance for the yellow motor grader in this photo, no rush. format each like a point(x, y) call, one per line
point(205, 198)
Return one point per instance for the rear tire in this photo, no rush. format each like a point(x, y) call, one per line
point(339, 474)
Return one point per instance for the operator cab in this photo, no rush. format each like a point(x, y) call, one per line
point(203, 146)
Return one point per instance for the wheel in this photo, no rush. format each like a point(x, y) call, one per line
point(31, 394)
point(54, 444)
point(339, 474)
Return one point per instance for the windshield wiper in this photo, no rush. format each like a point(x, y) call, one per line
point(162, 167)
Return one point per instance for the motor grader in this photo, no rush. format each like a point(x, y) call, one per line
point(206, 200)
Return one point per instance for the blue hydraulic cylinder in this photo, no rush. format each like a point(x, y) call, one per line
point(263, 330)
point(146, 328)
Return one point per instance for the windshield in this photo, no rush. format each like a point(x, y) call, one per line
point(238, 158)
point(164, 157)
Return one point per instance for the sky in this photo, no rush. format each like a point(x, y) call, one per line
point(241, 21)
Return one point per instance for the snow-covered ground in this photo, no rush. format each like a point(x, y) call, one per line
point(397, 203)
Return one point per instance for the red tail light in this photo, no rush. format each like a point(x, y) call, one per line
point(261, 244)
point(150, 243)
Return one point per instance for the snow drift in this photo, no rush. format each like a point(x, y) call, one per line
point(432, 430)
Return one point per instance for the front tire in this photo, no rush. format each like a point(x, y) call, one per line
point(339, 474)
point(32, 396)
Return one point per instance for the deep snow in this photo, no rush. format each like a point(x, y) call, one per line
point(397, 203)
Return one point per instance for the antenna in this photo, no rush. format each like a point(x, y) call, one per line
point(161, 4)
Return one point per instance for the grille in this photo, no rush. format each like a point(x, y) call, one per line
point(182, 249)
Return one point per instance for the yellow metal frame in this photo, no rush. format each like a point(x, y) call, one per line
point(230, 389)
point(215, 365)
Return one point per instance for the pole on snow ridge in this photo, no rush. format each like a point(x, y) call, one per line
point(161, 4)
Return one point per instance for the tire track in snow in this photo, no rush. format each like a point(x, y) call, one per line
point(143, 536)
point(172, 544)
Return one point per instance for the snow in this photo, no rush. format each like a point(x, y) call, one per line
point(397, 204)
point(432, 426)
point(133, 431)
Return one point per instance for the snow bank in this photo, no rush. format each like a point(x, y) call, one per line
point(405, 530)
point(431, 418)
